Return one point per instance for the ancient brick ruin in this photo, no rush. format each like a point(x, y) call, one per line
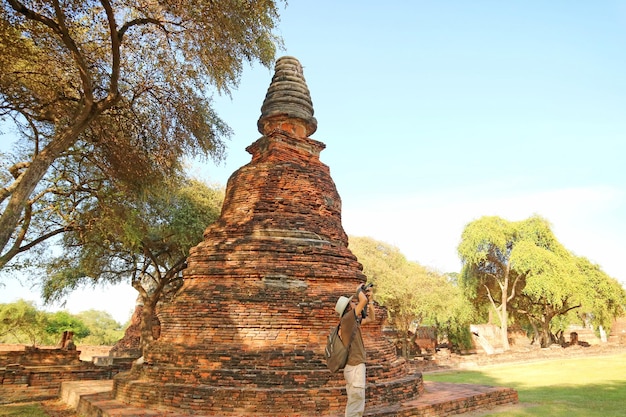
point(37, 373)
point(245, 334)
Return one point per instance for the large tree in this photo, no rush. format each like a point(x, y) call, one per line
point(125, 83)
point(412, 294)
point(523, 273)
point(556, 294)
point(143, 239)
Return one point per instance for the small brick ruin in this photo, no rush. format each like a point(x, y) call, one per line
point(32, 373)
point(245, 335)
point(34, 356)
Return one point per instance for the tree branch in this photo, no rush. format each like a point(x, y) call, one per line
point(44, 237)
point(137, 22)
point(15, 248)
point(116, 41)
point(493, 303)
point(513, 287)
point(32, 15)
point(83, 68)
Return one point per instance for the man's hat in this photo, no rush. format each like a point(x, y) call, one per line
point(341, 305)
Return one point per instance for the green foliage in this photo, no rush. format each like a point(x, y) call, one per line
point(520, 268)
point(63, 321)
point(412, 294)
point(22, 322)
point(138, 238)
point(604, 297)
point(459, 336)
point(103, 329)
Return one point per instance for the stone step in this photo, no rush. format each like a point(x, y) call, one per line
point(72, 391)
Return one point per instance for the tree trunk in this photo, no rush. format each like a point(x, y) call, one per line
point(405, 343)
point(504, 326)
point(147, 315)
point(535, 329)
point(545, 338)
point(546, 334)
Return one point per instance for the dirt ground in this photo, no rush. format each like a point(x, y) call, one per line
point(57, 408)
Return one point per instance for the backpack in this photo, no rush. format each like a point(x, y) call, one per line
point(336, 353)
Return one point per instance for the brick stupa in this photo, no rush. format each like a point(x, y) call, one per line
point(245, 335)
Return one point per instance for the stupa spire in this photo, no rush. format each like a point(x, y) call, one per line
point(287, 99)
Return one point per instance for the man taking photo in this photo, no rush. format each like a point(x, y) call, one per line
point(353, 315)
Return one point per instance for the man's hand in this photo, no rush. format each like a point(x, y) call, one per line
point(362, 295)
point(369, 292)
point(371, 310)
point(366, 293)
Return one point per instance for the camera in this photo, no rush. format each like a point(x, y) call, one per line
point(364, 288)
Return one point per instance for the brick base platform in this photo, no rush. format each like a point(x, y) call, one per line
point(440, 399)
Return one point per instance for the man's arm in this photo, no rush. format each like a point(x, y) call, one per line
point(371, 315)
point(364, 298)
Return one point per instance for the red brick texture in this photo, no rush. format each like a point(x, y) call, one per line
point(33, 356)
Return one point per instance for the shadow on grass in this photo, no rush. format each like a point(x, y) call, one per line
point(569, 398)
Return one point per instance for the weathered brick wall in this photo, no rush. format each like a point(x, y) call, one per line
point(52, 376)
point(32, 356)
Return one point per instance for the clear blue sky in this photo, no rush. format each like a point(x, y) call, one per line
point(437, 113)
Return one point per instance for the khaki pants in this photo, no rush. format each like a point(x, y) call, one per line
point(355, 388)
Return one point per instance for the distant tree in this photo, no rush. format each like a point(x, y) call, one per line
point(144, 239)
point(62, 321)
point(22, 322)
point(124, 85)
point(524, 273)
point(412, 294)
point(103, 329)
point(605, 297)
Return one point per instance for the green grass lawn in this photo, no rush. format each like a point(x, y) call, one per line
point(586, 387)
point(22, 410)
